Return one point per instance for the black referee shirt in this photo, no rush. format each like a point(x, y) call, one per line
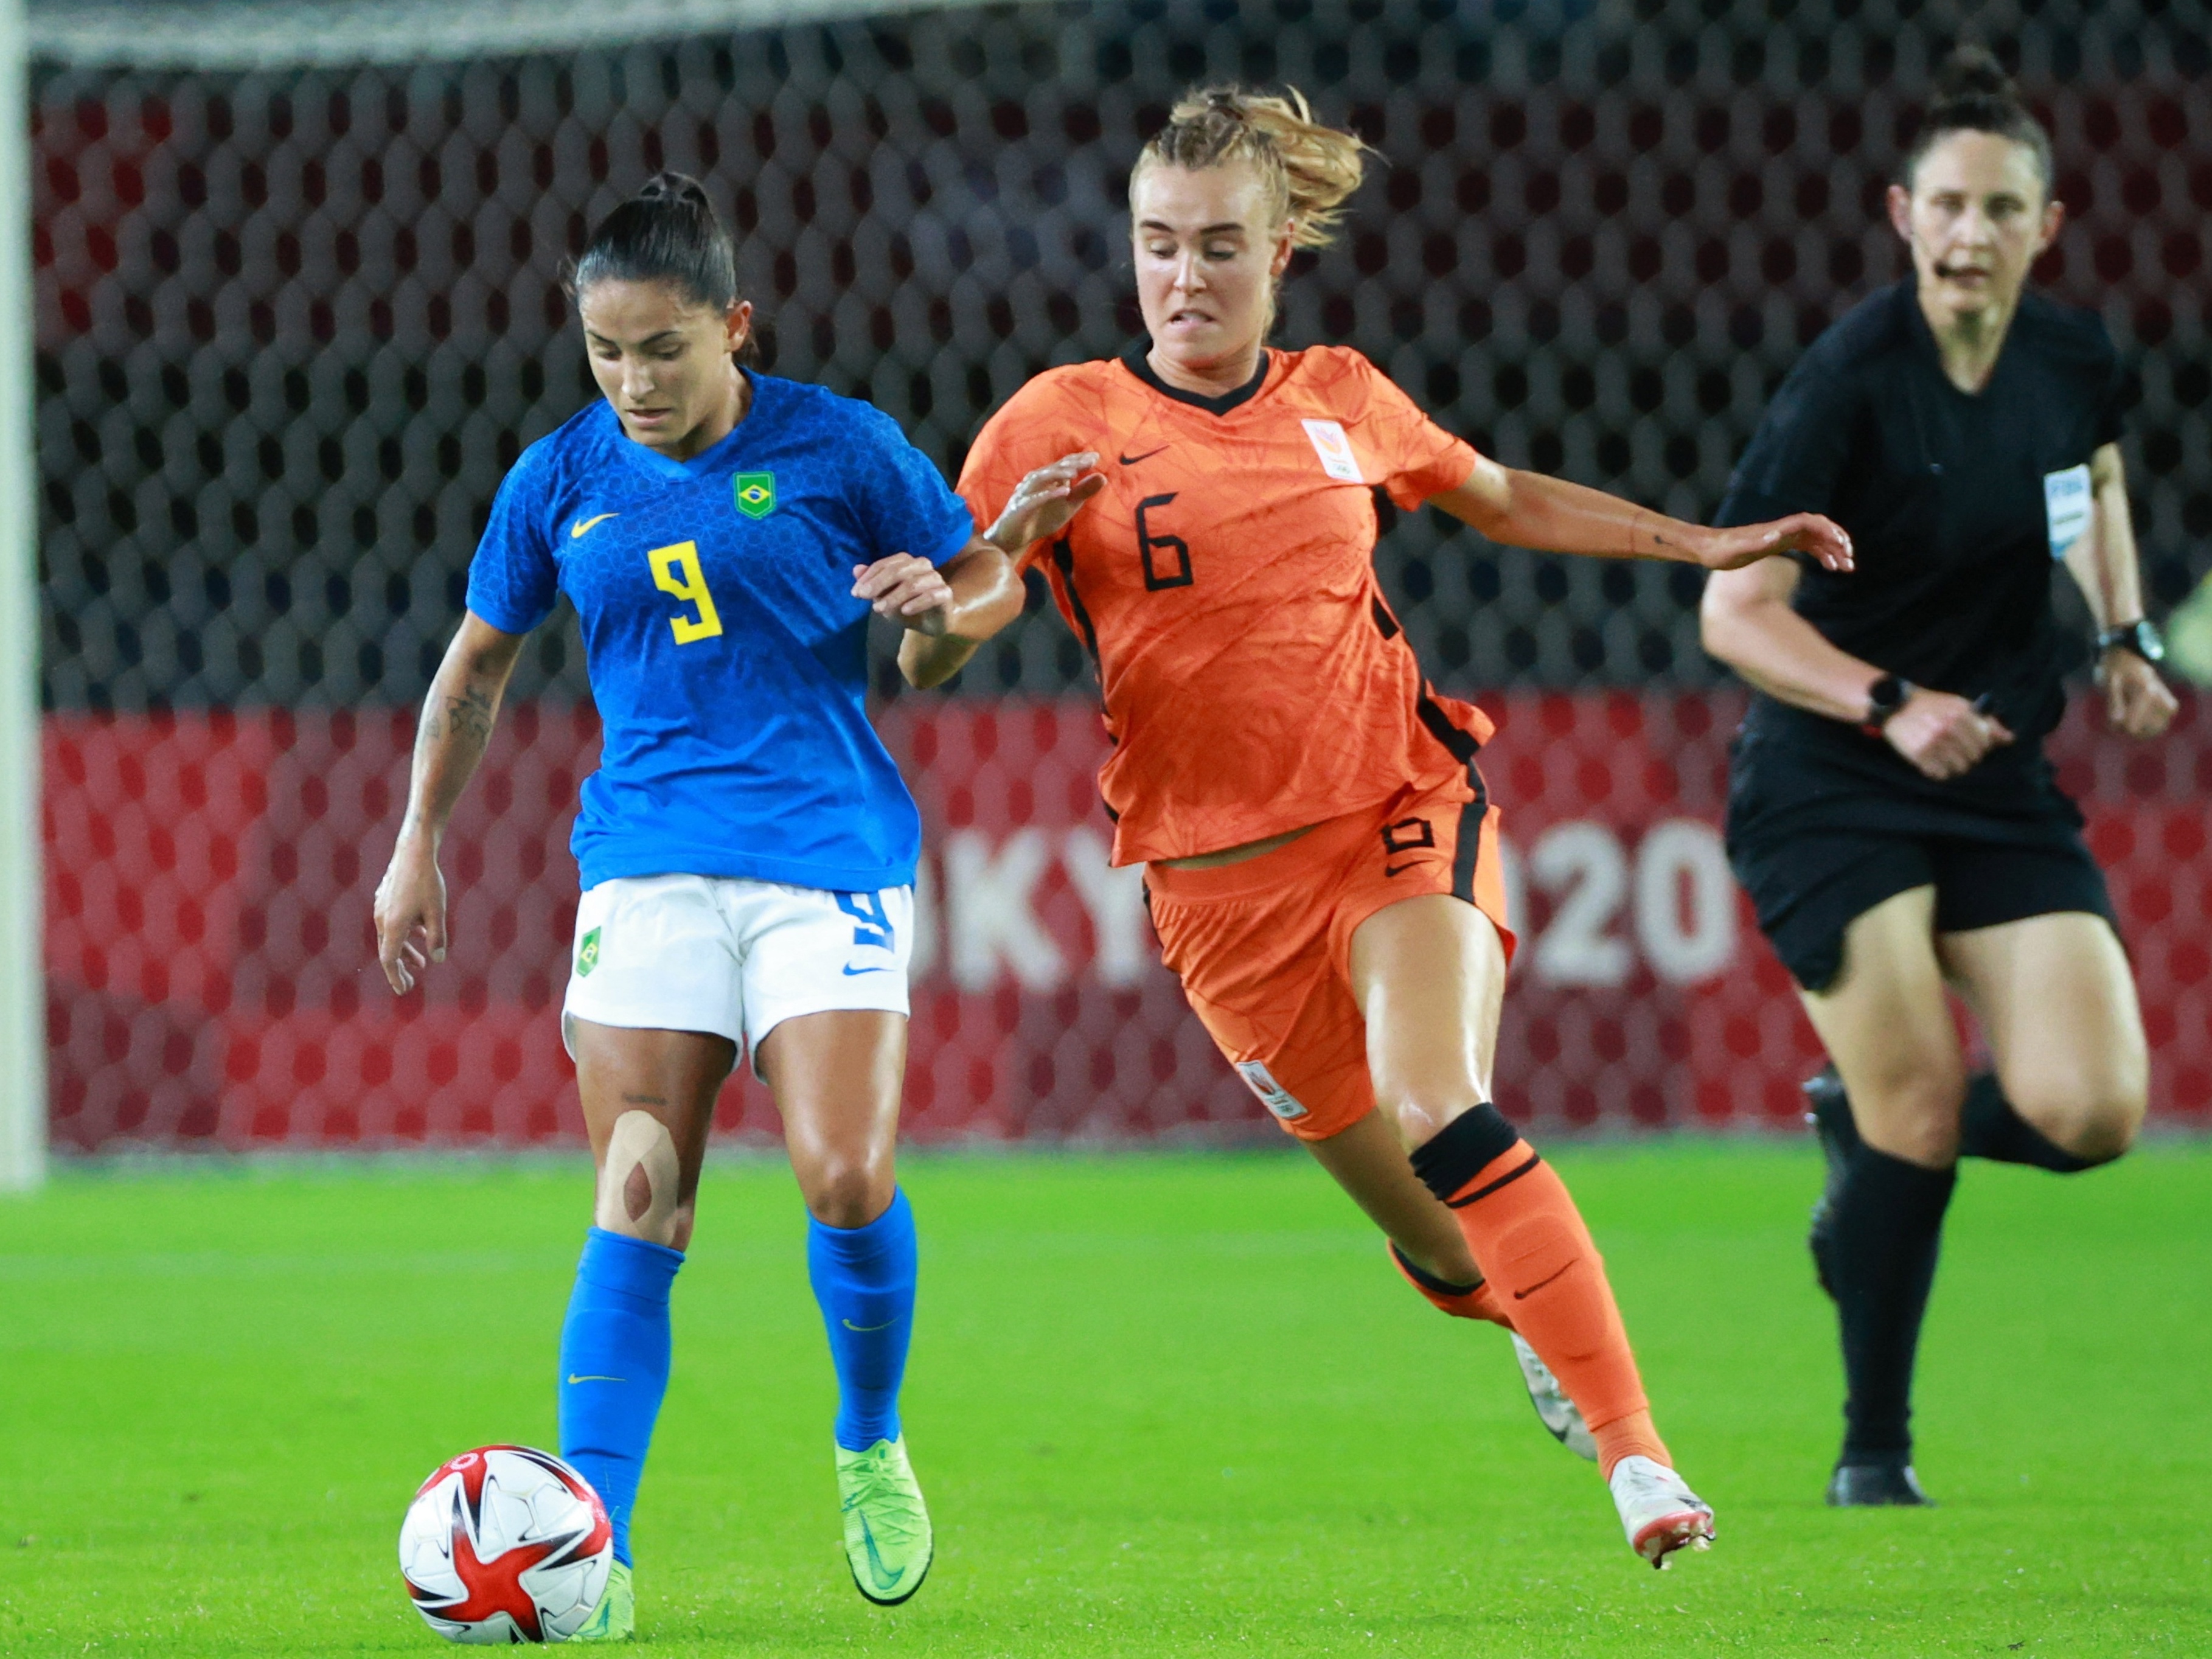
point(1953, 501)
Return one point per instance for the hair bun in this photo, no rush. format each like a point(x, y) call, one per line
point(1972, 73)
point(1974, 94)
point(665, 232)
point(674, 187)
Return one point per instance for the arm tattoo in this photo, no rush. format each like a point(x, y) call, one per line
point(1660, 543)
point(469, 716)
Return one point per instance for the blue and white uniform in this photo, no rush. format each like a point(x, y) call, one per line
point(747, 846)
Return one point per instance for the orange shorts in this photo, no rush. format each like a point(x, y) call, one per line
point(1264, 947)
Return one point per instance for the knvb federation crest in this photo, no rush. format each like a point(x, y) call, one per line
point(755, 492)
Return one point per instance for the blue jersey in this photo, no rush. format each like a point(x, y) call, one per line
point(725, 650)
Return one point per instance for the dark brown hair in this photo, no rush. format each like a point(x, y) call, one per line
point(1974, 94)
point(667, 233)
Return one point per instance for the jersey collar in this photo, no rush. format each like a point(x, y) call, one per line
point(704, 464)
point(1923, 336)
point(1133, 360)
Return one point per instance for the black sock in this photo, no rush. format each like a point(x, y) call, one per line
point(1424, 1278)
point(1460, 1150)
point(1888, 1222)
point(1989, 1127)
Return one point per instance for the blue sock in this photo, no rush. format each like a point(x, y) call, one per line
point(614, 1366)
point(864, 1279)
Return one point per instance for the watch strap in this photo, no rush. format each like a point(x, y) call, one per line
point(2139, 636)
point(1884, 698)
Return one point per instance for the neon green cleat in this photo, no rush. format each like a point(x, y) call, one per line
point(615, 1619)
point(887, 1542)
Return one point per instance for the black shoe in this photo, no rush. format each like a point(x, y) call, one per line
point(1831, 1120)
point(1876, 1485)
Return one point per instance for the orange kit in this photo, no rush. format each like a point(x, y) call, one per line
point(1254, 682)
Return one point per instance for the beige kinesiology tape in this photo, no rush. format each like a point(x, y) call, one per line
point(637, 1187)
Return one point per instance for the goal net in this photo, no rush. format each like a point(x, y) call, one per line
point(297, 309)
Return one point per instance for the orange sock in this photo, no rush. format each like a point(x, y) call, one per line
point(1632, 1436)
point(1475, 1301)
point(1530, 1241)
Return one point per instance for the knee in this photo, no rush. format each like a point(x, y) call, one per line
point(1419, 1114)
point(1913, 1116)
point(2095, 1121)
point(1422, 1085)
point(2101, 1139)
point(640, 1183)
point(847, 1191)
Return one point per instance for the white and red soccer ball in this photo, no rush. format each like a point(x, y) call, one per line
point(505, 1545)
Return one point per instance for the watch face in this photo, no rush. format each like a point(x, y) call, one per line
point(2143, 638)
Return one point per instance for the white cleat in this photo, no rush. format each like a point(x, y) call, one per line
point(1659, 1513)
point(1553, 1409)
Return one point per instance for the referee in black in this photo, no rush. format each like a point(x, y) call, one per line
point(1890, 809)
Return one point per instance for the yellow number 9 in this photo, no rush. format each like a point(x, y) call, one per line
point(676, 570)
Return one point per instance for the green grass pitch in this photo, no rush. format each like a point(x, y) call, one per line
point(1162, 1404)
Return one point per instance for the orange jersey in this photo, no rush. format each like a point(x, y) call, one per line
point(1254, 678)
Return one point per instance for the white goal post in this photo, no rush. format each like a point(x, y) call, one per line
point(251, 34)
point(23, 881)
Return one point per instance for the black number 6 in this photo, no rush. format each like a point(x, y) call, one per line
point(1146, 542)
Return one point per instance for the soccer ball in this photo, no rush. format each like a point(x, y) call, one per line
point(504, 1545)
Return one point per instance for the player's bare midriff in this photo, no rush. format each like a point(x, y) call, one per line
point(1250, 849)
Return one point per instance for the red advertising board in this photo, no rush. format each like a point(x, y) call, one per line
point(212, 983)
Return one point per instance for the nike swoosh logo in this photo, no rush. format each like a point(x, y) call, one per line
point(1523, 1295)
point(1131, 460)
point(1401, 869)
point(573, 1377)
point(888, 1580)
point(582, 524)
point(849, 972)
point(865, 1329)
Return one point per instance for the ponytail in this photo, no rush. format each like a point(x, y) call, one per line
point(667, 233)
point(1974, 94)
point(1309, 170)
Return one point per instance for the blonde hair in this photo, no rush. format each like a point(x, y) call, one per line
point(1308, 170)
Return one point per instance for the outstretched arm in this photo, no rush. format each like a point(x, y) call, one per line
point(456, 726)
point(1527, 509)
point(2104, 566)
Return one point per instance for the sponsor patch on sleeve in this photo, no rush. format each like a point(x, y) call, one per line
point(2067, 504)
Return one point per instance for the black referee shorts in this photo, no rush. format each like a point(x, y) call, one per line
point(1993, 856)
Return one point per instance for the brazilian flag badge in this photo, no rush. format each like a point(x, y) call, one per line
point(587, 953)
point(755, 492)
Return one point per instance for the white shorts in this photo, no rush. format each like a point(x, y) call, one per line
point(733, 957)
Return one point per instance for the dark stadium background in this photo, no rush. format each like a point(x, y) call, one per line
point(294, 323)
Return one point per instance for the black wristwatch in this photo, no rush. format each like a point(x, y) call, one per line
point(1884, 698)
point(2138, 636)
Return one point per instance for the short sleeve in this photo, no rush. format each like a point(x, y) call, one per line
point(514, 580)
point(1414, 457)
point(1796, 456)
point(904, 503)
point(1032, 428)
